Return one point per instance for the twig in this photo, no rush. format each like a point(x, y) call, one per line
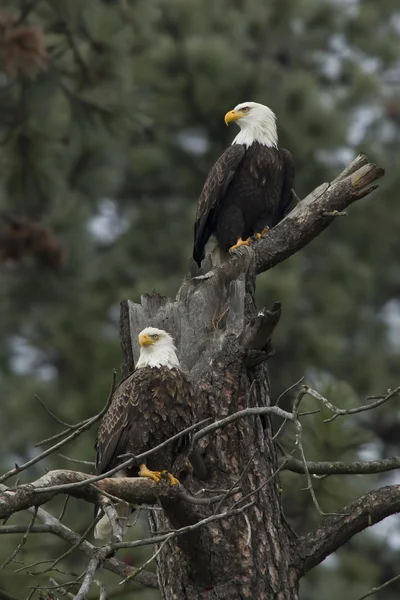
point(22, 542)
point(66, 553)
point(246, 412)
point(72, 436)
point(337, 530)
point(343, 468)
point(64, 508)
point(174, 533)
point(89, 463)
point(344, 411)
point(380, 587)
point(103, 593)
point(52, 415)
point(114, 518)
point(14, 529)
point(88, 579)
point(150, 560)
point(242, 474)
point(289, 389)
point(61, 589)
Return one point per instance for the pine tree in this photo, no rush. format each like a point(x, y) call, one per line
point(110, 118)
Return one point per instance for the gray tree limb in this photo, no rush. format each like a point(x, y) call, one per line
point(337, 530)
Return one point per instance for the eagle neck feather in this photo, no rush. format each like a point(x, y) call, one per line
point(264, 133)
point(161, 356)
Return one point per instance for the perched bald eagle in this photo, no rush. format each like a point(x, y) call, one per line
point(147, 409)
point(249, 188)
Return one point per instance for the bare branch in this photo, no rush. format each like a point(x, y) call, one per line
point(343, 468)
point(85, 425)
point(88, 579)
point(14, 529)
point(337, 530)
point(61, 589)
point(345, 411)
point(111, 564)
point(22, 542)
point(307, 219)
point(161, 538)
point(113, 517)
point(380, 587)
point(246, 412)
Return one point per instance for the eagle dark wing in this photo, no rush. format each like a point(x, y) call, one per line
point(288, 200)
point(211, 197)
point(113, 435)
point(148, 408)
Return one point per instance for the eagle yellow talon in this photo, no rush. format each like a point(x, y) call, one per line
point(259, 235)
point(241, 242)
point(145, 472)
point(172, 480)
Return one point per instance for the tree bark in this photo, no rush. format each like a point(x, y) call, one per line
point(224, 342)
point(247, 556)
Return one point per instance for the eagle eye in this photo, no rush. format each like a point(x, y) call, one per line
point(155, 336)
point(245, 109)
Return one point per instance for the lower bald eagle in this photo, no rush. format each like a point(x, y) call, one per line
point(249, 188)
point(147, 409)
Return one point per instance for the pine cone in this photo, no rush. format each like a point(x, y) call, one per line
point(22, 49)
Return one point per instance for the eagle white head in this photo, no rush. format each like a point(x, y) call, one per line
point(157, 349)
point(257, 124)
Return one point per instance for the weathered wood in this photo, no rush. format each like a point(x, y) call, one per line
point(223, 343)
point(213, 321)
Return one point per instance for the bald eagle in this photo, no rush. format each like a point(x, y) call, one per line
point(249, 188)
point(147, 409)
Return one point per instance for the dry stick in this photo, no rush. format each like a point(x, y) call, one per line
point(380, 587)
point(114, 518)
point(150, 560)
point(296, 405)
point(61, 589)
point(174, 533)
point(64, 508)
point(103, 592)
point(87, 424)
point(258, 489)
point(14, 529)
point(350, 411)
point(127, 463)
point(65, 554)
point(306, 390)
point(59, 435)
point(241, 475)
point(246, 412)
point(111, 564)
point(52, 415)
point(22, 542)
point(90, 463)
point(289, 389)
point(343, 468)
point(88, 579)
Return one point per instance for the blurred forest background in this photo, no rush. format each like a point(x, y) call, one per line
point(111, 114)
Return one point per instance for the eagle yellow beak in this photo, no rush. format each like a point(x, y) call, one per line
point(232, 115)
point(144, 340)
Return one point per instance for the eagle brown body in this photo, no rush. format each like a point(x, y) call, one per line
point(249, 188)
point(147, 409)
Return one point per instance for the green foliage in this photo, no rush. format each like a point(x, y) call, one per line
point(110, 145)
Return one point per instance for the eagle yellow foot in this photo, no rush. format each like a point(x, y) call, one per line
point(259, 235)
point(241, 242)
point(145, 472)
point(172, 480)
